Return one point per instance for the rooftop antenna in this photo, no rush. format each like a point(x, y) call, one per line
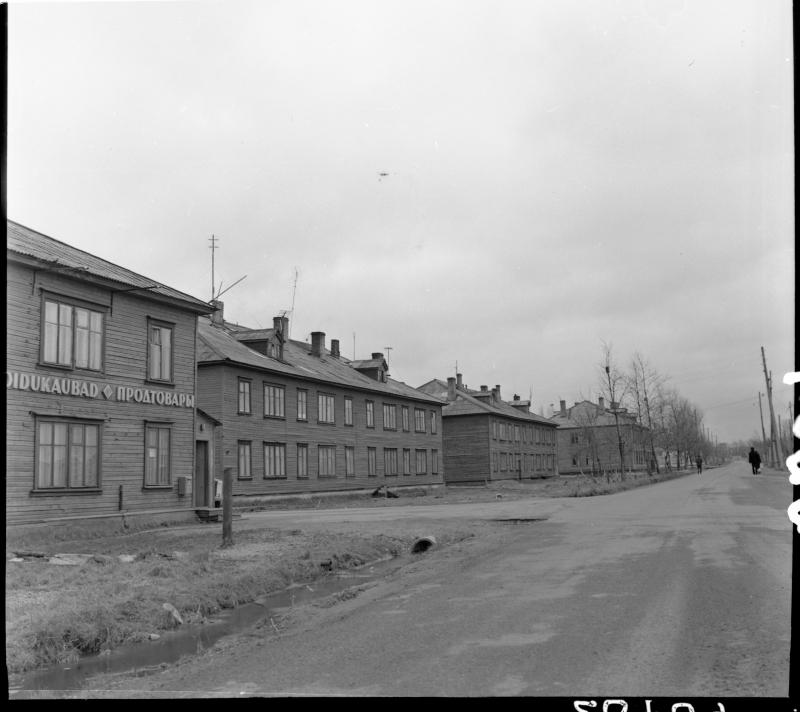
point(231, 287)
point(294, 294)
point(213, 240)
point(388, 361)
point(354, 346)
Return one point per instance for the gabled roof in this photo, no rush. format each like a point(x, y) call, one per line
point(466, 403)
point(218, 345)
point(24, 241)
point(587, 413)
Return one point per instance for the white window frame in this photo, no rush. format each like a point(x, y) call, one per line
point(274, 400)
point(326, 408)
point(274, 460)
point(46, 453)
point(326, 461)
point(245, 448)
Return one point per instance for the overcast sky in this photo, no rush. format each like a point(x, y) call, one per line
point(557, 173)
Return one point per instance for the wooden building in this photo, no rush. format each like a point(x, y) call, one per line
point(100, 387)
point(487, 438)
point(588, 440)
point(298, 417)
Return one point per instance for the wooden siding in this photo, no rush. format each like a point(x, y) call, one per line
point(218, 396)
point(514, 449)
point(607, 449)
point(123, 435)
point(466, 448)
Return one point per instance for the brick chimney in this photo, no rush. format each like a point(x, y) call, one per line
point(602, 403)
point(495, 395)
point(281, 323)
point(335, 348)
point(459, 383)
point(451, 388)
point(377, 354)
point(484, 389)
point(516, 397)
point(499, 397)
point(216, 315)
point(564, 408)
point(317, 343)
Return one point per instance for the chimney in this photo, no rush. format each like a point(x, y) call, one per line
point(216, 315)
point(495, 395)
point(498, 393)
point(484, 389)
point(377, 354)
point(564, 408)
point(281, 323)
point(335, 348)
point(317, 343)
point(602, 403)
point(451, 388)
point(459, 384)
point(516, 397)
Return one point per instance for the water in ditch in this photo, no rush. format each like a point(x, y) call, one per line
point(151, 656)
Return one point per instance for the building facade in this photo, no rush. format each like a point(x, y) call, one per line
point(588, 441)
point(100, 387)
point(487, 438)
point(298, 417)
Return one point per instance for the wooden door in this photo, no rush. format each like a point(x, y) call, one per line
point(201, 474)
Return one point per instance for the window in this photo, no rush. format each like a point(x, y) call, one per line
point(405, 418)
point(370, 414)
point(494, 429)
point(433, 423)
point(68, 455)
point(503, 461)
point(350, 461)
point(538, 436)
point(435, 462)
point(245, 461)
point(574, 439)
point(389, 417)
point(274, 401)
point(159, 354)
point(244, 396)
point(422, 460)
point(538, 462)
point(274, 460)
point(516, 433)
point(302, 460)
point(494, 462)
point(372, 468)
point(302, 404)
point(550, 462)
point(73, 336)
point(524, 434)
point(406, 462)
point(419, 420)
point(325, 408)
point(575, 461)
point(389, 461)
point(327, 460)
point(158, 456)
point(348, 411)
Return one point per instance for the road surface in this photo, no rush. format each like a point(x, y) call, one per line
point(681, 588)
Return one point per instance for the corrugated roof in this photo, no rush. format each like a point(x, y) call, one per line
point(24, 241)
point(467, 404)
point(216, 345)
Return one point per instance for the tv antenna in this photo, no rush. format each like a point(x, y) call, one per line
point(388, 348)
point(294, 294)
point(213, 246)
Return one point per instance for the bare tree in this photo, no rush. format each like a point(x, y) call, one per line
point(645, 388)
point(613, 386)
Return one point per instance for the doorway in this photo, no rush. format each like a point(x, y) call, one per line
point(201, 474)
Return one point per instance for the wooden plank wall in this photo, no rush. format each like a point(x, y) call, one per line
point(607, 448)
point(122, 445)
point(522, 447)
point(466, 448)
point(218, 396)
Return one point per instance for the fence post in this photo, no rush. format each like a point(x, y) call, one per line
point(227, 507)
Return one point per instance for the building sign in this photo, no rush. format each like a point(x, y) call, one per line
point(88, 389)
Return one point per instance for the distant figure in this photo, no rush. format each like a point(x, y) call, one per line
point(755, 460)
point(699, 462)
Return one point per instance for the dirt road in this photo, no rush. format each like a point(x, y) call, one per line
point(682, 588)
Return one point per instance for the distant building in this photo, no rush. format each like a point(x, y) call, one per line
point(298, 417)
point(588, 441)
point(487, 438)
point(100, 386)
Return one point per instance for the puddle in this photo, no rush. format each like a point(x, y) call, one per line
point(147, 657)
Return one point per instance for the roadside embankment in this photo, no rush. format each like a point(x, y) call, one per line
point(56, 611)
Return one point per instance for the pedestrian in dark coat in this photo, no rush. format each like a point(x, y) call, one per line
point(699, 462)
point(755, 460)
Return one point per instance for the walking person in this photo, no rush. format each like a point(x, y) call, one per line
point(699, 462)
point(755, 460)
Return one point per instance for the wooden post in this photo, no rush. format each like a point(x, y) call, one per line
point(227, 507)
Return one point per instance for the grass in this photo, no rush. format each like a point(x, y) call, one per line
point(585, 486)
point(55, 613)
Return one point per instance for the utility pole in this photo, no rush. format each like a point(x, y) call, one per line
point(763, 434)
point(771, 411)
point(776, 438)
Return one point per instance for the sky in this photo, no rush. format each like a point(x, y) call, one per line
point(498, 185)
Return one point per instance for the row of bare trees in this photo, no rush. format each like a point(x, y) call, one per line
point(650, 416)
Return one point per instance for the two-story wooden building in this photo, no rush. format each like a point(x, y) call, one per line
point(298, 417)
point(487, 438)
point(589, 435)
point(100, 387)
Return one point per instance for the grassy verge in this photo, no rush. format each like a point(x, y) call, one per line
point(587, 487)
point(54, 613)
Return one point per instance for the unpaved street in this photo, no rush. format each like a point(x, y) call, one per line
point(681, 588)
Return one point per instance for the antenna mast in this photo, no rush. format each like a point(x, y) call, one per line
point(388, 356)
point(294, 294)
point(213, 246)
